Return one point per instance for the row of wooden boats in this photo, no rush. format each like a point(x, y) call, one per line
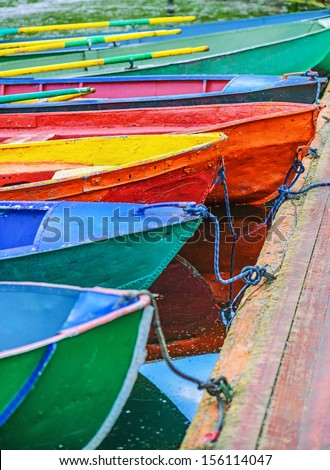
point(98, 196)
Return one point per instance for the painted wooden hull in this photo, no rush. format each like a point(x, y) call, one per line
point(275, 49)
point(68, 248)
point(144, 169)
point(263, 140)
point(145, 92)
point(60, 410)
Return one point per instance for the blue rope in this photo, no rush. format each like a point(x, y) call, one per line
point(28, 385)
point(315, 76)
point(251, 275)
point(228, 314)
point(285, 189)
point(222, 178)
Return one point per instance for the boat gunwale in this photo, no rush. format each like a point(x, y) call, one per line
point(142, 302)
point(8, 254)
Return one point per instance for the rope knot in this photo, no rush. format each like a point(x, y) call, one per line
point(311, 73)
point(227, 315)
point(217, 385)
point(197, 209)
point(254, 274)
point(283, 191)
point(298, 166)
point(221, 175)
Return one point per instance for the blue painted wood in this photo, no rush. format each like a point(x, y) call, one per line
point(240, 89)
point(39, 226)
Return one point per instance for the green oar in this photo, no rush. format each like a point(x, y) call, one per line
point(44, 94)
point(106, 61)
point(112, 38)
point(88, 41)
point(97, 24)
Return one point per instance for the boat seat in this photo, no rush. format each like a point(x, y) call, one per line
point(81, 170)
point(36, 137)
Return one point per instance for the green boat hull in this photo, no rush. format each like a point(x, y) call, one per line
point(129, 262)
point(276, 49)
point(75, 393)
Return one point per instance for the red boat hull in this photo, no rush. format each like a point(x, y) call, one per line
point(263, 137)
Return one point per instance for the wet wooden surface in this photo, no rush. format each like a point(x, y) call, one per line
point(276, 355)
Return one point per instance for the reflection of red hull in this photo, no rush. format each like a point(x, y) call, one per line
point(187, 298)
point(263, 137)
point(199, 250)
point(189, 315)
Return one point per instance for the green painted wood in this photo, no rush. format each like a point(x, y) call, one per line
point(62, 413)
point(275, 49)
point(131, 262)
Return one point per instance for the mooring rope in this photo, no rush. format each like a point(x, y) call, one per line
point(217, 387)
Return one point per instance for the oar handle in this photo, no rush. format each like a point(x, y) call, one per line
point(100, 62)
point(96, 24)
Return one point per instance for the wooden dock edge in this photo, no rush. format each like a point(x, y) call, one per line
point(257, 344)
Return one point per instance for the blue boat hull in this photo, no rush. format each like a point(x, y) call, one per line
point(240, 89)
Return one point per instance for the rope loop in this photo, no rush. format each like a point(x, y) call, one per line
point(283, 191)
point(252, 275)
point(217, 386)
point(298, 167)
point(311, 73)
point(198, 210)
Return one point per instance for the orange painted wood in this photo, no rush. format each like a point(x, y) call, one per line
point(185, 176)
point(263, 137)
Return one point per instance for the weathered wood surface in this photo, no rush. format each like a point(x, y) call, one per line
point(277, 352)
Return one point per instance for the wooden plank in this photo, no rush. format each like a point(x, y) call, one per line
point(296, 382)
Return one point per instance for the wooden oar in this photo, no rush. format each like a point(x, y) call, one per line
point(105, 61)
point(88, 41)
point(97, 24)
point(55, 99)
point(32, 97)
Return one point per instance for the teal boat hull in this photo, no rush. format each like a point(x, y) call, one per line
point(275, 49)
